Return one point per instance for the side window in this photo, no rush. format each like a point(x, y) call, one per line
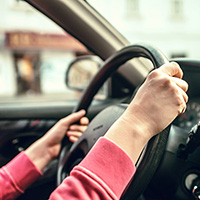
point(34, 54)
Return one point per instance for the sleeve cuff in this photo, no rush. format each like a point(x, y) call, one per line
point(22, 171)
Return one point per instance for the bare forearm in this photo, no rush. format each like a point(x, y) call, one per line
point(130, 137)
point(38, 153)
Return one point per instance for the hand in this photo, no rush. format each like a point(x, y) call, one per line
point(54, 136)
point(48, 147)
point(76, 130)
point(160, 99)
point(157, 103)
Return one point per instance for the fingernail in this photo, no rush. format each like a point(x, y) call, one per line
point(81, 111)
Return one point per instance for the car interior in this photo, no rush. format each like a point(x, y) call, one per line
point(169, 167)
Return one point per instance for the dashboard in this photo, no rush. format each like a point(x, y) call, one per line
point(191, 116)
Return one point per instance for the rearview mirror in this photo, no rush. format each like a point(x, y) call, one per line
point(81, 71)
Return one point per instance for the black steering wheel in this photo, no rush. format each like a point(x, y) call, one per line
point(151, 156)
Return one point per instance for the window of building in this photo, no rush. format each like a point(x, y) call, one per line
point(177, 9)
point(132, 9)
point(34, 56)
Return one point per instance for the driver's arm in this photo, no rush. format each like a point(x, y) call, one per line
point(157, 103)
point(27, 167)
point(109, 166)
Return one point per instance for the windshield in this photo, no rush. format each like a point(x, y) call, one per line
point(172, 26)
point(35, 53)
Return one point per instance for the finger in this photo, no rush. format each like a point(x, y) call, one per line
point(181, 83)
point(73, 139)
point(76, 127)
point(84, 121)
point(74, 117)
point(183, 105)
point(73, 133)
point(172, 69)
point(184, 95)
point(182, 99)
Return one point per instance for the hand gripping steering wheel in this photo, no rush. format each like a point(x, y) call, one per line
point(151, 156)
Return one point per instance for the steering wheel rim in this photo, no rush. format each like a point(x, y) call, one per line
point(156, 146)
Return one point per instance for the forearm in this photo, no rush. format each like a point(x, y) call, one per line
point(100, 175)
point(16, 176)
point(131, 136)
point(39, 154)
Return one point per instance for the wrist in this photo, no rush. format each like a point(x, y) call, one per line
point(146, 126)
point(130, 134)
point(39, 154)
point(137, 130)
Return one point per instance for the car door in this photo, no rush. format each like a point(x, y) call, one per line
point(34, 58)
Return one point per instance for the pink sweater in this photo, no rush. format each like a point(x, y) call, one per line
point(103, 174)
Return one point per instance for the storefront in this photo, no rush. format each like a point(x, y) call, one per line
point(31, 61)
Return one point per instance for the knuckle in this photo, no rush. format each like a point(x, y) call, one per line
point(176, 65)
point(179, 102)
point(175, 91)
point(181, 105)
point(153, 74)
point(166, 81)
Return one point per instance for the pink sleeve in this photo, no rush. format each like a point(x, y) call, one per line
point(103, 174)
point(16, 176)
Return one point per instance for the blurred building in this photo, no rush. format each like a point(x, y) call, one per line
point(170, 25)
point(34, 52)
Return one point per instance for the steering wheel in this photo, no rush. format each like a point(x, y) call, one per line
point(152, 154)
